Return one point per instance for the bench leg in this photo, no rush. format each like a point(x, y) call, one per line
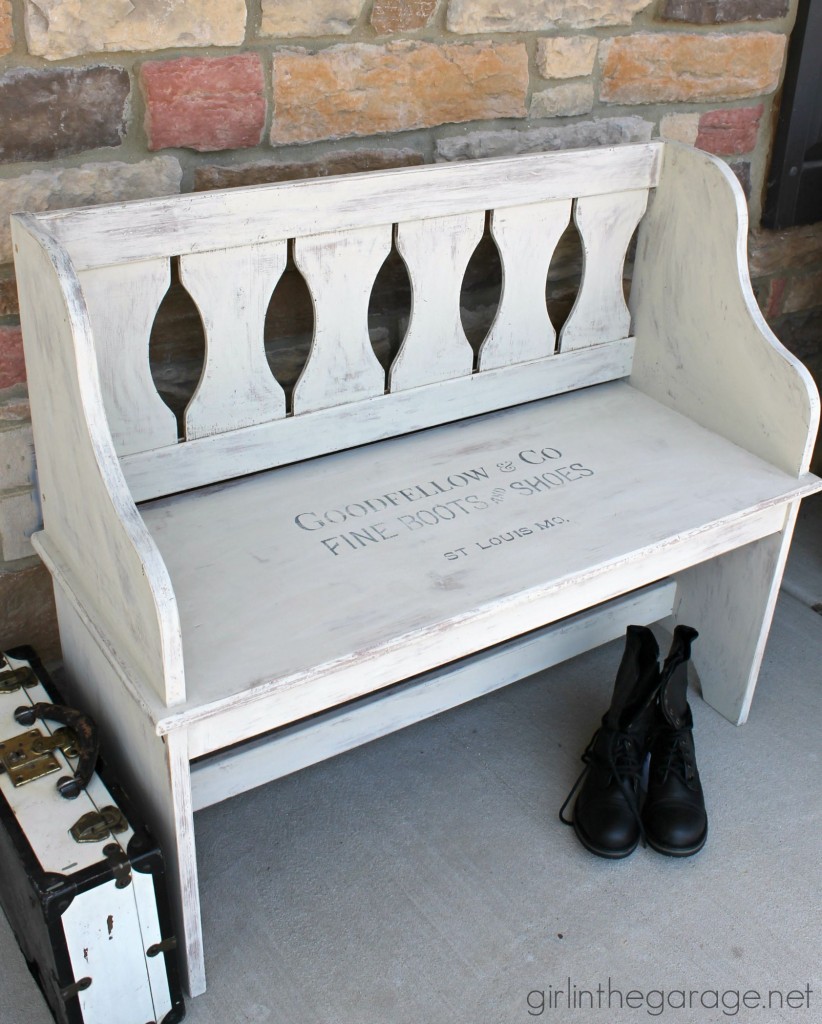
point(181, 861)
point(154, 770)
point(730, 600)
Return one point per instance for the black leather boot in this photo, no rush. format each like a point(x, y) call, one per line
point(674, 813)
point(606, 816)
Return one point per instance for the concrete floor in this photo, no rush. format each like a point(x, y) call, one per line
point(425, 878)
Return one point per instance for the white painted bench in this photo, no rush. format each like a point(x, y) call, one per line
point(432, 533)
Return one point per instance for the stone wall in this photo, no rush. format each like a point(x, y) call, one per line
point(104, 100)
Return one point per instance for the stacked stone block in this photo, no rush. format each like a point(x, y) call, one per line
point(106, 100)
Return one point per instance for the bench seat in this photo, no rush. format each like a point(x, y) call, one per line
point(314, 578)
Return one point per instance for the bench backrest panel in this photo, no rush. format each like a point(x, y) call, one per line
point(435, 216)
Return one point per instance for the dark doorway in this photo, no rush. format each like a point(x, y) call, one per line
point(794, 188)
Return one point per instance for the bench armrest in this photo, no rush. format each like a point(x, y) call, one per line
point(93, 539)
point(703, 346)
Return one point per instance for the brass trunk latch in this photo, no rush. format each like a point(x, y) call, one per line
point(30, 756)
point(16, 679)
point(96, 826)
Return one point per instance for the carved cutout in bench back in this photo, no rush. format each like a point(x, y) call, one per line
point(232, 288)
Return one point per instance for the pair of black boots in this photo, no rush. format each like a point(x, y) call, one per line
point(649, 715)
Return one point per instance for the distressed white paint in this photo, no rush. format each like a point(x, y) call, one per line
point(153, 770)
point(391, 594)
point(142, 229)
point(88, 513)
point(436, 253)
point(605, 224)
point(703, 345)
point(526, 237)
point(705, 349)
point(740, 587)
point(240, 716)
point(259, 761)
point(122, 303)
point(209, 460)
point(339, 269)
point(232, 290)
point(674, 490)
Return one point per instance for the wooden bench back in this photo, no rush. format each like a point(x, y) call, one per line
point(232, 250)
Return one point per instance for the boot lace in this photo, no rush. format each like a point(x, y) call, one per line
point(623, 760)
point(673, 754)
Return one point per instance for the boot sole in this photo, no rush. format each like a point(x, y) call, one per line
point(677, 851)
point(600, 851)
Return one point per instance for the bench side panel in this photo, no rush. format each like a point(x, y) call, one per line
point(93, 531)
point(703, 346)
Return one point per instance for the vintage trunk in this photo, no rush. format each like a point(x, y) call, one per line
point(81, 881)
